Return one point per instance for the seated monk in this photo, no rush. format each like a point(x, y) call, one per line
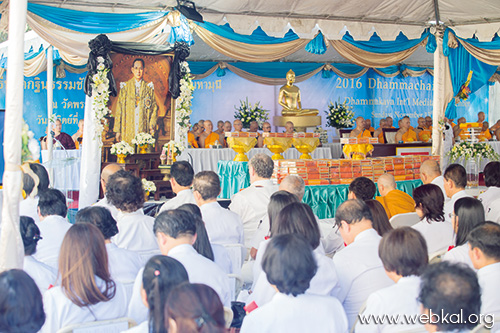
point(389, 122)
point(359, 131)
point(266, 128)
point(428, 123)
point(289, 99)
point(458, 132)
point(193, 136)
point(485, 134)
point(495, 127)
point(394, 201)
point(368, 125)
point(405, 133)
point(208, 138)
point(379, 131)
point(423, 133)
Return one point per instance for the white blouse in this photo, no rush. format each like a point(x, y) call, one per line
point(438, 235)
point(42, 274)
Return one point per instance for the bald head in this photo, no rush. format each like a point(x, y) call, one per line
point(429, 170)
point(109, 170)
point(293, 184)
point(481, 117)
point(386, 183)
point(360, 123)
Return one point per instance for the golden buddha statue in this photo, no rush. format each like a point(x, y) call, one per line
point(289, 99)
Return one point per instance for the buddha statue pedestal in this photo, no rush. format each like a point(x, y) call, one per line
point(301, 123)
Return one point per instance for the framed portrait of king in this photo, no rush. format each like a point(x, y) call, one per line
point(143, 103)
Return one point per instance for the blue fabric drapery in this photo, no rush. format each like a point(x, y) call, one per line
point(91, 22)
point(182, 33)
point(317, 45)
point(376, 45)
point(461, 63)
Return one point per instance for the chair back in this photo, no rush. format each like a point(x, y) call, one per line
point(390, 134)
point(236, 285)
point(344, 132)
point(436, 257)
point(404, 220)
point(237, 253)
point(101, 326)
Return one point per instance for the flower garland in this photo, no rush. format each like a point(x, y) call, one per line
point(143, 139)
point(148, 186)
point(100, 98)
point(469, 150)
point(173, 146)
point(122, 147)
point(183, 104)
point(30, 150)
point(248, 113)
point(339, 115)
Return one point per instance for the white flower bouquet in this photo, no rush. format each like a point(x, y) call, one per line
point(173, 146)
point(247, 113)
point(148, 186)
point(143, 139)
point(469, 150)
point(122, 148)
point(100, 96)
point(339, 115)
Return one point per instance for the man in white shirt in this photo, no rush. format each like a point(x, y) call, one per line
point(251, 203)
point(176, 232)
point(455, 180)
point(491, 174)
point(33, 174)
point(223, 226)
point(181, 179)
point(430, 173)
point(106, 172)
point(484, 243)
point(448, 291)
point(359, 268)
point(135, 230)
point(53, 226)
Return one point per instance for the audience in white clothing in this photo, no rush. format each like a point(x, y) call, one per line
point(223, 226)
point(181, 179)
point(85, 292)
point(53, 225)
point(106, 172)
point(438, 232)
point(359, 268)
point(43, 275)
point(361, 188)
point(484, 244)
point(290, 265)
point(455, 180)
point(135, 230)
point(160, 275)
point(467, 214)
point(449, 290)
point(491, 175)
point(21, 307)
point(123, 264)
point(193, 308)
point(403, 252)
point(35, 181)
point(430, 173)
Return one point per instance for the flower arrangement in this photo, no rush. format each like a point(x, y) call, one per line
point(339, 115)
point(248, 113)
point(143, 139)
point(122, 148)
point(323, 138)
point(174, 146)
point(476, 151)
point(464, 92)
point(148, 185)
point(30, 150)
point(100, 97)
point(183, 102)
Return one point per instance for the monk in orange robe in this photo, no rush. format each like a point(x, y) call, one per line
point(379, 131)
point(208, 138)
point(485, 134)
point(360, 131)
point(389, 122)
point(394, 201)
point(368, 125)
point(405, 133)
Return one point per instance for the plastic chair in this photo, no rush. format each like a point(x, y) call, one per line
point(228, 316)
point(436, 257)
point(404, 220)
point(237, 284)
point(237, 252)
point(102, 326)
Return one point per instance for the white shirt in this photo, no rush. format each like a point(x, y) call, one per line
point(183, 197)
point(251, 205)
point(52, 229)
point(222, 258)
point(135, 232)
point(303, 313)
point(398, 299)
point(438, 235)
point(360, 272)
point(487, 197)
point(123, 264)
point(223, 226)
point(439, 181)
point(29, 207)
point(105, 203)
point(449, 205)
point(459, 254)
point(61, 312)
point(141, 328)
point(493, 213)
point(42, 274)
point(489, 280)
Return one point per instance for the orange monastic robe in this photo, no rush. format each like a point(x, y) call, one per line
point(381, 137)
point(424, 135)
point(397, 202)
point(410, 136)
point(192, 140)
point(484, 135)
point(371, 129)
point(365, 134)
point(210, 140)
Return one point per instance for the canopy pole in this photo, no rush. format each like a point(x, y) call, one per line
point(439, 105)
point(50, 99)
point(11, 244)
